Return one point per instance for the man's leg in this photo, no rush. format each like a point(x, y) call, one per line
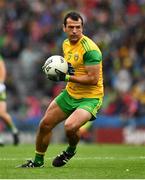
point(72, 126)
point(8, 120)
point(52, 117)
point(1, 141)
point(5, 116)
point(85, 133)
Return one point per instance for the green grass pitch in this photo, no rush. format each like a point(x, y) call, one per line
point(92, 161)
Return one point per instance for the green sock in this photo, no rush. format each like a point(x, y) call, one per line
point(71, 149)
point(39, 159)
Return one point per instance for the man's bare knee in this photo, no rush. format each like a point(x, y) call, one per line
point(70, 127)
point(45, 126)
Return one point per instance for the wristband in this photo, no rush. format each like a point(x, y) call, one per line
point(67, 77)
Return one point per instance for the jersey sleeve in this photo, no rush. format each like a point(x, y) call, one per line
point(92, 57)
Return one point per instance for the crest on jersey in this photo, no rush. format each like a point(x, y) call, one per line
point(76, 57)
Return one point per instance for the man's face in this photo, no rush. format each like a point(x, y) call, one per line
point(73, 29)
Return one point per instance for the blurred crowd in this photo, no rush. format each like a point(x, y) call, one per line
point(31, 31)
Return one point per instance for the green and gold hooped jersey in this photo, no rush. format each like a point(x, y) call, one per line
point(84, 53)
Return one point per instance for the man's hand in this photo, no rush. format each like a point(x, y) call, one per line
point(61, 76)
point(70, 69)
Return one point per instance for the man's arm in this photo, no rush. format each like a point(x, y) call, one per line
point(91, 78)
point(92, 61)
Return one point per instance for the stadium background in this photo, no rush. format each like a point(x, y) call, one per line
point(31, 31)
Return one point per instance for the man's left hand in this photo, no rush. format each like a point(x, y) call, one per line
point(60, 76)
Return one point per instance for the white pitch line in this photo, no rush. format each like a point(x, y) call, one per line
point(83, 158)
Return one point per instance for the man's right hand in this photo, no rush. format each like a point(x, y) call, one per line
point(70, 69)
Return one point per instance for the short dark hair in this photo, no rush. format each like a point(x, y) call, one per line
point(74, 16)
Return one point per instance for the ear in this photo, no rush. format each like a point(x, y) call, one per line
point(63, 27)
